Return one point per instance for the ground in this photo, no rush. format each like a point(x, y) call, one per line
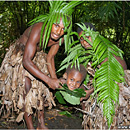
point(53, 120)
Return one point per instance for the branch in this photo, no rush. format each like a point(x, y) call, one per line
point(83, 111)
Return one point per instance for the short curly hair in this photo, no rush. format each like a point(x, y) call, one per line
point(82, 70)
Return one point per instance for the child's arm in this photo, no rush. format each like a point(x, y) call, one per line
point(88, 93)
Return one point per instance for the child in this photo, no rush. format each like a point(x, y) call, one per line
point(74, 78)
point(85, 44)
point(94, 122)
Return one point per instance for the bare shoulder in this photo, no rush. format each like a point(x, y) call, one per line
point(39, 25)
point(33, 30)
point(34, 35)
point(36, 27)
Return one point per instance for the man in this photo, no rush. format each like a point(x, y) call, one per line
point(48, 29)
point(30, 49)
point(123, 89)
point(86, 45)
point(32, 46)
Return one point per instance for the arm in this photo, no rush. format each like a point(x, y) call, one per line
point(88, 93)
point(50, 59)
point(122, 62)
point(30, 50)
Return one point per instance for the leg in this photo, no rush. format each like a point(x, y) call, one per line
point(28, 119)
point(41, 123)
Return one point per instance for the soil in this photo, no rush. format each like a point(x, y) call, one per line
point(53, 120)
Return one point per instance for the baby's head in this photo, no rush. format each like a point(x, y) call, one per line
point(74, 77)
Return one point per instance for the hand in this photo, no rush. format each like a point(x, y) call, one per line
point(54, 83)
point(88, 93)
point(62, 80)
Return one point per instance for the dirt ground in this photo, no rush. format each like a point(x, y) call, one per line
point(53, 120)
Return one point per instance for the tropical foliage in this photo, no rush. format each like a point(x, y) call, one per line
point(58, 9)
point(111, 19)
point(107, 75)
point(72, 97)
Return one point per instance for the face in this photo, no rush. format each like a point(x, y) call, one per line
point(57, 30)
point(84, 43)
point(74, 79)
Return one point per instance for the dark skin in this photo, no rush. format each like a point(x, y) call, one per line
point(85, 44)
point(31, 39)
point(74, 80)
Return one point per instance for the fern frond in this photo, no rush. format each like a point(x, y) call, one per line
point(108, 111)
point(107, 76)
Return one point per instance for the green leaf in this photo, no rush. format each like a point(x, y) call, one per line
point(59, 97)
point(70, 99)
point(79, 92)
point(66, 113)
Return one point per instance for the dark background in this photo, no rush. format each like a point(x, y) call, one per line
point(111, 19)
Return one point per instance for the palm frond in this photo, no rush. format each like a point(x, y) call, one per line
point(107, 76)
point(109, 10)
point(57, 10)
point(69, 7)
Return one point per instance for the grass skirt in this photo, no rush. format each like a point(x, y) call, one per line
point(12, 84)
point(93, 119)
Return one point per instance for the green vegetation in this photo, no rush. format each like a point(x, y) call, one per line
point(111, 19)
point(72, 97)
point(107, 76)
